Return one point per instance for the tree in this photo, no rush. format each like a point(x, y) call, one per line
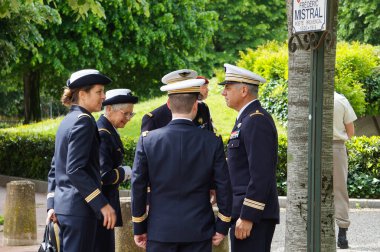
point(246, 24)
point(359, 21)
point(20, 39)
point(298, 120)
point(136, 44)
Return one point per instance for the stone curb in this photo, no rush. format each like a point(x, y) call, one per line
point(41, 187)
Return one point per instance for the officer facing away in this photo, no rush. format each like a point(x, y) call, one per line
point(181, 162)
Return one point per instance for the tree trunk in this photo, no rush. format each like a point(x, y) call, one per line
point(32, 103)
point(298, 127)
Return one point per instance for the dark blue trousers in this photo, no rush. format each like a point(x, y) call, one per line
point(202, 246)
point(105, 238)
point(259, 241)
point(76, 233)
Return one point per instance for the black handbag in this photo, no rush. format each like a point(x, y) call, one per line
point(49, 244)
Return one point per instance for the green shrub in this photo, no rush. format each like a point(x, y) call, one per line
point(355, 76)
point(269, 60)
point(354, 63)
point(364, 167)
point(281, 173)
point(26, 155)
point(274, 98)
point(372, 87)
point(1, 220)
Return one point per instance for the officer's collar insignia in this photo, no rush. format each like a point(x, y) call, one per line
point(257, 112)
point(239, 124)
point(83, 115)
point(105, 130)
point(234, 134)
point(200, 120)
point(145, 133)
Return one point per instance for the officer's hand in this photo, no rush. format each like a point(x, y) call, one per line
point(217, 238)
point(212, 197)
point(243, 229)
point(109, 216)
point(127, 172)
point(140, 240)
point(51, 216)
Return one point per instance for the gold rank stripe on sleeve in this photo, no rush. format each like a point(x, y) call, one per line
point(224, 218)
point(105, 130)
point(50, 195)
point(83, 114)
point(139, 219)
point(254, 204)
point(92, 195)
point(117, 176)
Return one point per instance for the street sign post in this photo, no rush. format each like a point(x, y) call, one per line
point(310, 32)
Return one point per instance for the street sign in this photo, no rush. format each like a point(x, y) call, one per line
point(309, 15)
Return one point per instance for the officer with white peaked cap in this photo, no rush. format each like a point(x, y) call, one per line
point(74, 197)
point(161, 116)
point(252, 160)
point(181, 162)
point(118, 112)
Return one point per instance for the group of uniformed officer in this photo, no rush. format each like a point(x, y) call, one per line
point(176, 160)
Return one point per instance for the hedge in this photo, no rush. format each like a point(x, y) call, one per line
point(29, 156)
point(357, 77)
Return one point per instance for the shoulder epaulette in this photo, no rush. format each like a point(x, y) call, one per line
point(257, 112)
point(145, 133)
point(82, 115)
point(105, 130)
point(149, 114)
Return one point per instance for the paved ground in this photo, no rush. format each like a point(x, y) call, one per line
point(363, 235)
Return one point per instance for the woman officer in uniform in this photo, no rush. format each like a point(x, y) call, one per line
point(74, 198)
point(118, 112)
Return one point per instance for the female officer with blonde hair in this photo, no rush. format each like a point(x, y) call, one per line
point(74, 198)
point(118, 112)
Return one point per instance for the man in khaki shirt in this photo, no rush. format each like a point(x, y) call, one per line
point(344, 117)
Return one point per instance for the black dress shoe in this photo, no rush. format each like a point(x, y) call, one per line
point(342, 238)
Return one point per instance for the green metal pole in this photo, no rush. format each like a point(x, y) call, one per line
point(315, 148)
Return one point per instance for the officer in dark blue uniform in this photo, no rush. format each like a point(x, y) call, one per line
point(74, 197)
point(162, 115)
point(252, 160)
point(118, 112)
point(181, 162)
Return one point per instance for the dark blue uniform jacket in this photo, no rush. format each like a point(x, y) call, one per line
point(252, 161)
point(181, 162)
point(162, 115)
point(111, 159)
point(74, 178)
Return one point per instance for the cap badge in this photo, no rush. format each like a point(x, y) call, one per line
point(184, 74)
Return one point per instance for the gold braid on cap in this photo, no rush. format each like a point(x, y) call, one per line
point(184, 90)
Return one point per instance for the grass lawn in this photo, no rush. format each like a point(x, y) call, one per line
point(223, 116)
